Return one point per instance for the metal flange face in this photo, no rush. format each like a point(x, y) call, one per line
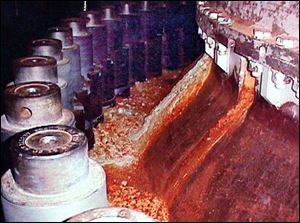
point(49, 140)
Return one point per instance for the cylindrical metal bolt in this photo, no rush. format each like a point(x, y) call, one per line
point(35, 68)
point(83, 38)
point(44, 158)
point(47, 47)
point(98, 31)
point(71, 51)
point(53, 48)
point(111, 214)
point(32, 103)
point(42, 184)
point(113, 31)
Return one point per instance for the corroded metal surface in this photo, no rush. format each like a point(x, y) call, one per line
point(275, 17)
point(251, 175)
point(216, 96)
point(220, 167)
point(39, 154)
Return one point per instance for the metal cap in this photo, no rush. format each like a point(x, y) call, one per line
point(93, 18)
point(108, 13)
point(126, 9)
point(146, 6)
point(47, 47)
point(35, 68)
point(46, 159)
point(64, 34)
point(33, 103)
point(77, 24)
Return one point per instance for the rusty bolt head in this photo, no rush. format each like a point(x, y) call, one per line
point(231, 43)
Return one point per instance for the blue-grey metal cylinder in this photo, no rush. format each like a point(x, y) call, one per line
point(108, 84)
point(83, 38)
point(35, 68)
point(53, 48)
point(98, 31)
point(152, 37)
point(121, 72)
point(138, 62)
point(113, 31)
point(71, 51)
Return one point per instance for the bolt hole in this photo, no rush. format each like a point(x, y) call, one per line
point(25, 113)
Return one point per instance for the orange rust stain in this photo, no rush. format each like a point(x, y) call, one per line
point(168, 118)
point(128, 188)
point(195, 156)
point(113, 136)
